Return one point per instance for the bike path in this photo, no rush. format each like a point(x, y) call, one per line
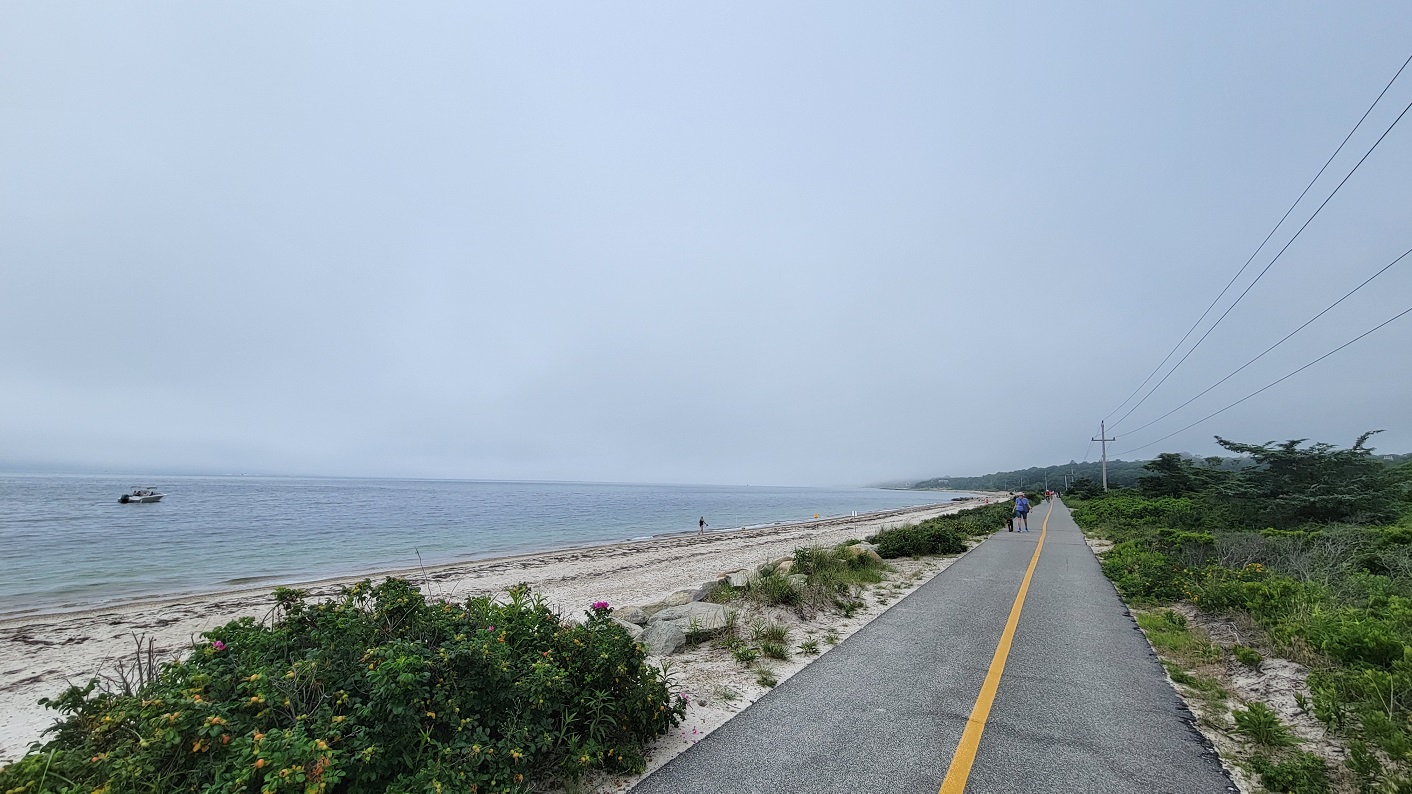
point(1083, 705)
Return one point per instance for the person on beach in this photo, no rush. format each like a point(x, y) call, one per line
point(1022, 512)
point(702, 526)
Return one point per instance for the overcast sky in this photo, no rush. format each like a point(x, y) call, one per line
point(810, 243)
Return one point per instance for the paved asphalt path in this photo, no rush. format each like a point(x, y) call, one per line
point(1083, 705)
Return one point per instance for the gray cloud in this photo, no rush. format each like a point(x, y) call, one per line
point(800, 245)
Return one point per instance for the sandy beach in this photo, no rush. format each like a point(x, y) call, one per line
point(41, 654)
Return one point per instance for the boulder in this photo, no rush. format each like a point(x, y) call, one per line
point(633, 630)
point(698, 615)
point(631, 615)
point(677, 599)
point(662, 638)
point(785, 567)
point(864, 550)
point(741, 578)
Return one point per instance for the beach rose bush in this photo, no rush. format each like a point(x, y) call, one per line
point(377, 690)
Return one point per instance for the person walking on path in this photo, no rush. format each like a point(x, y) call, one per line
point(1022, 512)
point(702, 526)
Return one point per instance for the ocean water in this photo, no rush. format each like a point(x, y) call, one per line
point(66, 543)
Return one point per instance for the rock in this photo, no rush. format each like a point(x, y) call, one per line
point(781, 561)
point(677, 599)
point(633, 630)
point(663, 638)
point(698, 616)
point(785, 567)
point(864, 550)
point(631, 615)
point(740, 578)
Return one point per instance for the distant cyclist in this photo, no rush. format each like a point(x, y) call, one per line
point(1022, 512)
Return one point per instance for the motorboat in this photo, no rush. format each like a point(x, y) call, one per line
point(140, 496)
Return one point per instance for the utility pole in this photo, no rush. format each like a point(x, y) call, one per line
point(1103, 436)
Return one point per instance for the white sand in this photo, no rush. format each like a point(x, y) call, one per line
point(40, 654)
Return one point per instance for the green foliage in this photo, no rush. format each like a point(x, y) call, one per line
point(1312, 542)
point(1292, 485)
point(1261, 725)
point(918, 540)
point(1247, 656)
point(1174, 475)
point(1299, 773)
point(373, 691)
point(774, 650)
point(1139, 572)
point(941, 535)
point(809, 647)
point(773, 589)
point(769, 631)
point(1167, 631)
point(1084, 488)
point(766, 678)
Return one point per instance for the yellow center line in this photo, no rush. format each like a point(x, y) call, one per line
point(965, 756)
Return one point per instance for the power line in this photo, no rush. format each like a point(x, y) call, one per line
point(1267, 267)
point(1261, 247)
point(1286, 337)
point(1273, 383)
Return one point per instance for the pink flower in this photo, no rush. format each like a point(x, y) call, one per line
point(600, 604)
point(218, 645)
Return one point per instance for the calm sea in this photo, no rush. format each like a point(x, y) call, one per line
point(66, 542)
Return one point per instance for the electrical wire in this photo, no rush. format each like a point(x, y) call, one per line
point(1401, 314)
point(1252, 284)
point(1286, 337)
point(1258, 249)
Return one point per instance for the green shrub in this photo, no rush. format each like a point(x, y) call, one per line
point(1261, 725)
point(374, 691)
point(941, 535)
point(1247, 656)
point(927, 538)
point(769, 631)
point(773, 589)
point(1143, 573)
point(1168, 633)
point(1301, 773)
point(1355, 639)
point(774, 650)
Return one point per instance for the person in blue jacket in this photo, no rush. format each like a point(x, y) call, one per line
point(1022, 512)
